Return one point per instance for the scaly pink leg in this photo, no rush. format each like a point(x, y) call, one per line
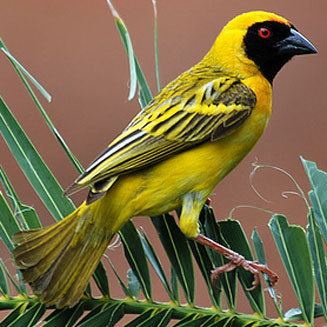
point(237, 260)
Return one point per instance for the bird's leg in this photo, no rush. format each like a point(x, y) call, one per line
point(192, 205)
point(189, 217)
point(236, 260)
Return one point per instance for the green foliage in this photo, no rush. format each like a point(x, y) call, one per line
point(319, 260)
point(294, 251)
point(178, 252)
point(302, 251)
point(33, 166)
point(136, 257)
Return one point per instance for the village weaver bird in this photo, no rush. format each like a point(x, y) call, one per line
point(171, 155)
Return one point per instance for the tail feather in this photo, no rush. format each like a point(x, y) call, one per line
point(42, 262)
point(59, 260)
point(33, 246)
point(69, 284)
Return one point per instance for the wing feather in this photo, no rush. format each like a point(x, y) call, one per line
point(207, 111)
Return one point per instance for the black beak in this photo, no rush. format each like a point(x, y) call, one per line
point(295, 44)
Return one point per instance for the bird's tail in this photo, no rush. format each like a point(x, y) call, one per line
point(59, 260)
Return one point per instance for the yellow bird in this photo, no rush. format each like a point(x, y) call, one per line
point(171, 155)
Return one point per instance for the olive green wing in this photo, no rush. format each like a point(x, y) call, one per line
point(186, 117)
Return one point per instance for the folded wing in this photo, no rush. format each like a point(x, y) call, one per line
point(180, 117)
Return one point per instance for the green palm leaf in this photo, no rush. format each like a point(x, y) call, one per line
point(319, 261)
point(228, 280)
point(136, 257)
point(178, 251)
point(294, 250)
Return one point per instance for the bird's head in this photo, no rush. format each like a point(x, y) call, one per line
point(258, 41)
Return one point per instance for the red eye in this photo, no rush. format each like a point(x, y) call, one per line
point(264, 33)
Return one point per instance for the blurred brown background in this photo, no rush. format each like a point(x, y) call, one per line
point(73, 48)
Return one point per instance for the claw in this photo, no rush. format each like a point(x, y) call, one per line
point(237, 260)
point(230, 266)
point(251, 266)
point(255, 283)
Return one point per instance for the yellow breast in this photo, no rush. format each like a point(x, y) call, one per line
point(201, 168)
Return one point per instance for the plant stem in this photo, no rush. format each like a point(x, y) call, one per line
point(156, 47)
point(133, 306)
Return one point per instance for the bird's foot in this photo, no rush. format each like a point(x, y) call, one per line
point(237, 260)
